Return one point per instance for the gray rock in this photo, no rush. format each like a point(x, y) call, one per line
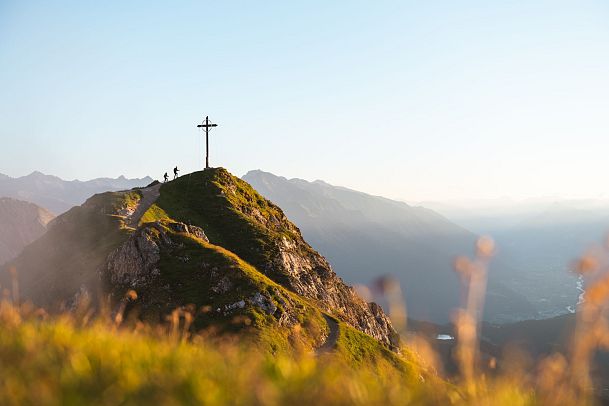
point(136, 260)
point(237, 305)
point(198, 232)
point(178, 227)
point(261, 301)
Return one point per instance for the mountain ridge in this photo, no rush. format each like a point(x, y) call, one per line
point(58, 195)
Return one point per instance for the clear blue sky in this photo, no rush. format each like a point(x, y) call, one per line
point(409, 99)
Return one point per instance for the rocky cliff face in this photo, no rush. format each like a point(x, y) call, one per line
point(307, 273)
point(136, 260)
point(20, 224)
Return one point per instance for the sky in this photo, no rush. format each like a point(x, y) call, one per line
point(434, 100)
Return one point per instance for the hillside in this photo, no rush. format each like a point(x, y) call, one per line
point(58, 195)
point(20, 224)
point(366, 237)
point(210, 244)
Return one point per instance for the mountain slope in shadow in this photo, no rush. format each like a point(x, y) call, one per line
point(20, 224)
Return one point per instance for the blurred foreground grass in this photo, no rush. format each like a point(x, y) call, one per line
point(63, 360)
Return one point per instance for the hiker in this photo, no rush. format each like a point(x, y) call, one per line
point(166, 177)
point(175, 172)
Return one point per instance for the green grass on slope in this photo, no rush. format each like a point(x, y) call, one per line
point(113, 202)
point(230, 211)
point(154, 213)
point(359, 348)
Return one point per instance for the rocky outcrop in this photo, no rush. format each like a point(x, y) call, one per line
point(310, 275)
point(135, 262)
point(285, 314)
point(188, 229)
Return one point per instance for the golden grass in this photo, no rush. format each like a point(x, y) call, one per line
point(67, 360)
point(70, 359)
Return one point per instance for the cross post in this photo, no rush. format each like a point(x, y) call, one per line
point(207, 126)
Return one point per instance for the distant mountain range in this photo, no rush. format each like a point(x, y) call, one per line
point(20, 224)
point(365, 237)
point(58, 195)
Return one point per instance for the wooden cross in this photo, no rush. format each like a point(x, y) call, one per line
point(207, 126)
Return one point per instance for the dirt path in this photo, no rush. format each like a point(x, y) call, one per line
point(332, 338)
point(149, 196)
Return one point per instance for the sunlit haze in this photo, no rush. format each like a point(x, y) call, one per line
point(410, 100)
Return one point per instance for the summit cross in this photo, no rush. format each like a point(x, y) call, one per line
point(207, 125)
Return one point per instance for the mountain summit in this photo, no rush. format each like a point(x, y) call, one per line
point(206, 240)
